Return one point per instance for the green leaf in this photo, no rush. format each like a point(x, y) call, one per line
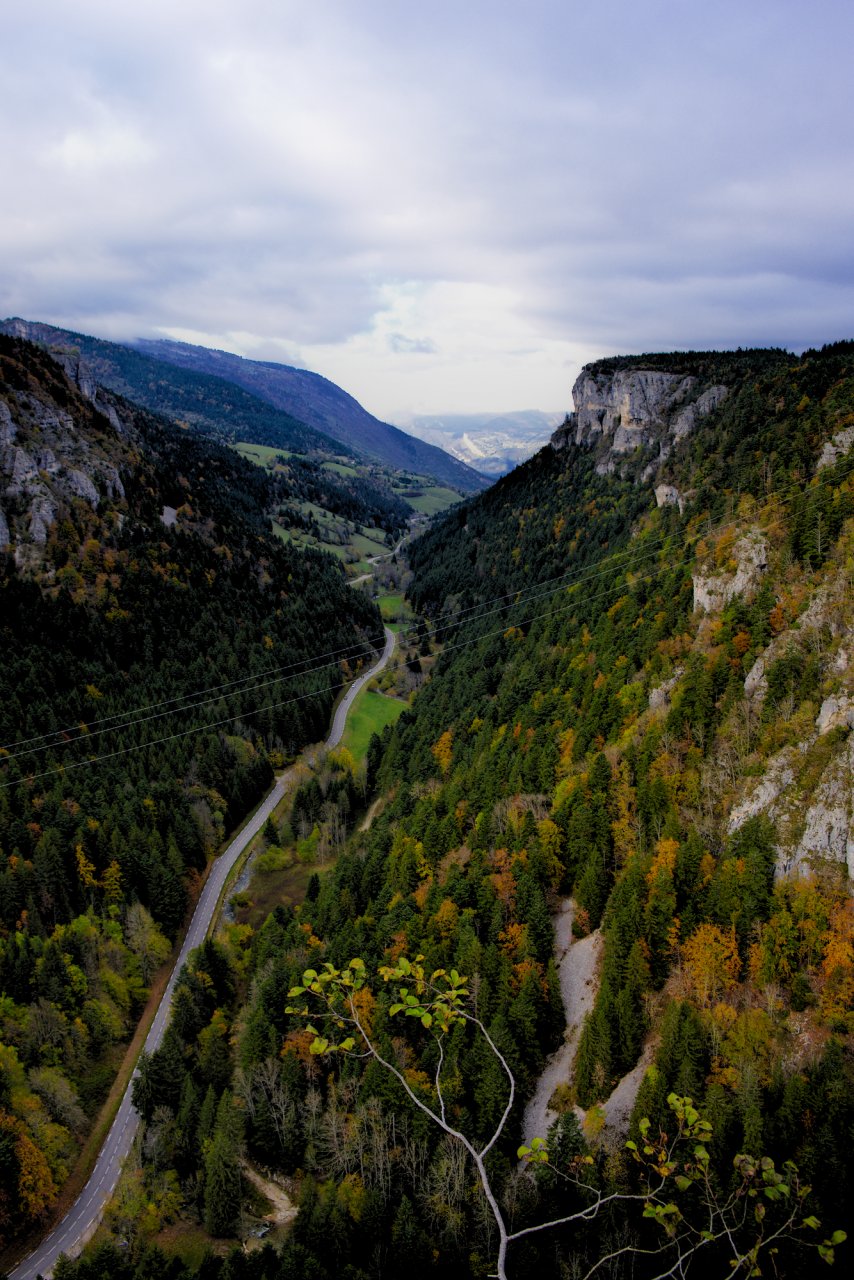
point(426, 1020)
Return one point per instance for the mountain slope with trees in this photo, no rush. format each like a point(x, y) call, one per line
point(641, 695)
point(163, 653)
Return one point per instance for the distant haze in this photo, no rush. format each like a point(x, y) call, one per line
point(436, 206)
point(491, 443)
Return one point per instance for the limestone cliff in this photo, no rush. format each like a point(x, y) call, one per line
point(628, 410)
point(800, 774)
point(56, 449)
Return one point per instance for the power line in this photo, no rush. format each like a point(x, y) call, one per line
point(568, 580)
point(301, 697)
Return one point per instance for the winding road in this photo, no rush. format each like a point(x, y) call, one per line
point(79, 1224)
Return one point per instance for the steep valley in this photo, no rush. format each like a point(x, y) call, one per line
point(630, 677)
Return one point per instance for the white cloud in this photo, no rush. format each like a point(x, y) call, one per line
point(441, 208)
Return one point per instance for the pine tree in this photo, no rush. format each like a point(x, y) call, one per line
point(222, 1171)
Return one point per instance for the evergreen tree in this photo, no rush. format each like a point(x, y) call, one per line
point(222, 1171)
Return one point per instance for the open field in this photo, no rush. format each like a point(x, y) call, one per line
point(341, 468)
point(394, 607)
point(367, 546)
point(432, 500)
point(263, 455)
point(370, 714)
point(272, 889)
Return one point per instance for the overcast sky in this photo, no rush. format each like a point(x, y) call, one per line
point(443, 206)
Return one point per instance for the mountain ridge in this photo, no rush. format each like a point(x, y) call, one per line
point(322, 404)
point(221, 408)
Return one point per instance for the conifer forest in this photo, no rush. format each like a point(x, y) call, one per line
point(556, 976)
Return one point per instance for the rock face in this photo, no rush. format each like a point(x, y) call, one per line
point(659, 697)
point(713, 592)
point(47, 463)
point(629, 409)
point(836, 712)
point(840, 445)
point(667, 495)
point(807, 788)
point(828, 829)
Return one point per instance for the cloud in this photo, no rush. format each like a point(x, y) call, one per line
point(399, 343)
point(443, 208)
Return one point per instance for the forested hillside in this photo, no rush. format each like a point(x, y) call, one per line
point(202, 401)
point(230, 399)
point(642, 701)
point(162, 653)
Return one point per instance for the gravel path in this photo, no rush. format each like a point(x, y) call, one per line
point(578, 964)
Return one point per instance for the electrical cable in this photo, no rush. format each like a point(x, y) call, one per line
point(515, 599)
point(301, 697)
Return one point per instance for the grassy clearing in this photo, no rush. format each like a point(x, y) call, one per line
point(370, 714)
point(189, 1242)
point(341, 468)
point(432, 500)
point(268, 890)
point(394, 608)
point(367, 546)
point(263, 455)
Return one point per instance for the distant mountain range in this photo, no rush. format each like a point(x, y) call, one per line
point(491, 443)
point(230, 399)
point(324, 406)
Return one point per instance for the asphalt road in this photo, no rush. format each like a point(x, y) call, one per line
point(82, 1218)
point(340, 718)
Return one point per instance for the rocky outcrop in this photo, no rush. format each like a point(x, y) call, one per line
point(628, 406)
point(837, 447)
point(756, 681)
point(659, 697)
point(780, 773)
point(667, 495)
point(8, 430)
point(712, 592)
point(828, 830)
point(807, 788)
point(705, 403)
point(630, 409)
point(46, 464)
point(78, 372)
point(836, 712)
